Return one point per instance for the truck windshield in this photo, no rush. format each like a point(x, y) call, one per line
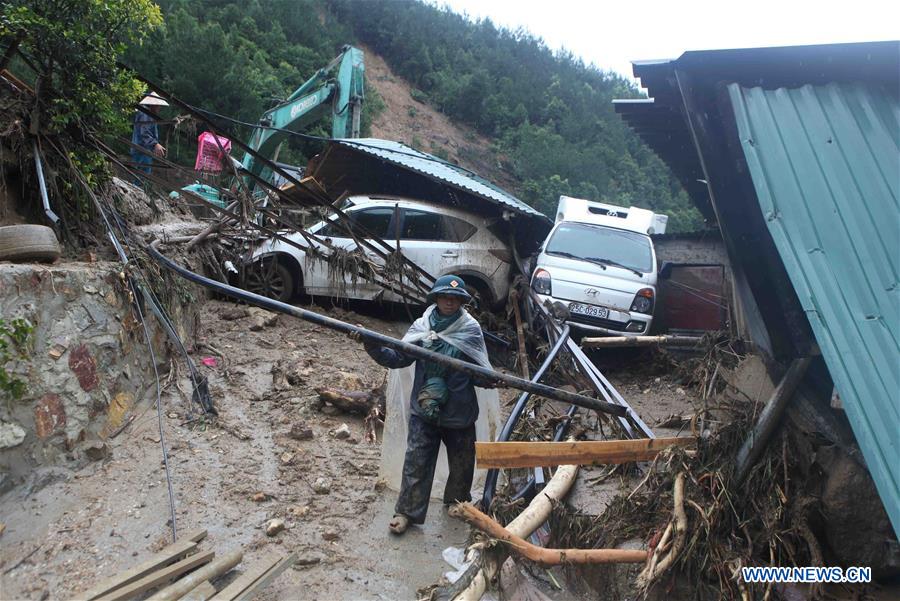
point(595, 242)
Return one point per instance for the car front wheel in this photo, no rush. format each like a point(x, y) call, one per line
point(272, 279)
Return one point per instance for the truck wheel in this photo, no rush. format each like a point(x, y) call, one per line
point(28, 243)
point(272, 279)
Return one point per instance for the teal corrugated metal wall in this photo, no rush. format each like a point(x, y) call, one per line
point(825, 162)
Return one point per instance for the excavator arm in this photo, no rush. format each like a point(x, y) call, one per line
point(337, 88)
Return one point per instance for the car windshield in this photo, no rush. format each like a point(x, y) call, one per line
point(597, 243)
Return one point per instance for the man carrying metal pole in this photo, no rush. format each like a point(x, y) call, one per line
point(443, 403)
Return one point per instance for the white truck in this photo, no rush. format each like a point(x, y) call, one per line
point(599, 262)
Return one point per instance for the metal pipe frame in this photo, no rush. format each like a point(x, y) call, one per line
point(490, 481)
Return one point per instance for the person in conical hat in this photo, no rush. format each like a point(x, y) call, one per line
point(443, 404)
point(145, 136)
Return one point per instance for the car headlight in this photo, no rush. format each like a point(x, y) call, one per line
point(540, 282)
point(643, 301)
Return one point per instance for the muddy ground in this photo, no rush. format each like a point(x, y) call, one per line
point(233, 476)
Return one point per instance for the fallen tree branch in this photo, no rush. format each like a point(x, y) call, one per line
point(349, 401)
point(540, 555)
point(523, 525)
point(658, 564)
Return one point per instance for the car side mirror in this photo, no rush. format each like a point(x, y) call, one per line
point(665, 272)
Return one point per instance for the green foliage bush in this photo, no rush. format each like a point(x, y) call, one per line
point(14, 342)
point(74, 48)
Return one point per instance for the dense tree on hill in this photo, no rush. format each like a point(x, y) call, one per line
point(550, 114)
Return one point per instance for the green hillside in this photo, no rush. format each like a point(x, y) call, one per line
point(550, 114)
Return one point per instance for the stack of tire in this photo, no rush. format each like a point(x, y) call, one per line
point(26, 243)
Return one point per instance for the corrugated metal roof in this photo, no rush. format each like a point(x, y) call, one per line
point(824, 163)
point(437, 168)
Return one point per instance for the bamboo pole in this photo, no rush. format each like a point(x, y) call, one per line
point(520, 336)
point(769, 419)
point(540, 555)
point(622, 341)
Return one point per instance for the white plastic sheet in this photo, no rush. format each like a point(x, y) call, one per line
point(393, 447)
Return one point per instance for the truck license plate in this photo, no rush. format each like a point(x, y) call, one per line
point(589, 310)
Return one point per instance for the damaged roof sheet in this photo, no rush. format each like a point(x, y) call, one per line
point(436, 168)
point(823, 159)
point(798, 147)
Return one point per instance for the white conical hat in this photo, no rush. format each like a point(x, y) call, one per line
point(153, 99)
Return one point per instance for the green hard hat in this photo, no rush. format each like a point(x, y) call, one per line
point(450, 285)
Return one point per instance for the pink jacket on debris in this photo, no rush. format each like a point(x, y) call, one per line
point(210, 157)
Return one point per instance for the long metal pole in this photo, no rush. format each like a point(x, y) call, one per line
point(418, 352)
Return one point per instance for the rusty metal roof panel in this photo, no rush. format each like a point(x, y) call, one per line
point(824, 163)
point(436, 168)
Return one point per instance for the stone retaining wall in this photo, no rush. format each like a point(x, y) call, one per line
point(87, 363)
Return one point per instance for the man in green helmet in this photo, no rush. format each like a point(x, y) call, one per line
point(443, 405)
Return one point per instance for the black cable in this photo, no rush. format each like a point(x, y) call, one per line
point(123, 257)
point(159, 419)
point(473, 370)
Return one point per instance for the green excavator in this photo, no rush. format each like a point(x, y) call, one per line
point(337, 88)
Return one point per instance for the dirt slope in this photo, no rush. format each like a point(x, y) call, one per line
point(423, 127)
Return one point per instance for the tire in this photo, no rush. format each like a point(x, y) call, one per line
point(271, 278)
point(480, 292)
point(28, 243)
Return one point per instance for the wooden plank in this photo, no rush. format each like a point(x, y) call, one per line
point(267, 578)
point(242, 582)
point(159, 577)
point(210, 571)
point(547, 454)
point(204, 591)
point(173, 552)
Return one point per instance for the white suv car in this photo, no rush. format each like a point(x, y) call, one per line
point(439, 239)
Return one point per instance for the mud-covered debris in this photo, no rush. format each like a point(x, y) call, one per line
point(285, 374)
point(2, 528)
point(287, 458)
point(261, 497)
point(342, 432)
point(96, 450)
point(350, 401)
point(322, 486)
point(234, 313)
point(306, 560)
point(262, 319)
point(274, 527)
point(301, 431)
point(331, 535)
point(299, 511)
